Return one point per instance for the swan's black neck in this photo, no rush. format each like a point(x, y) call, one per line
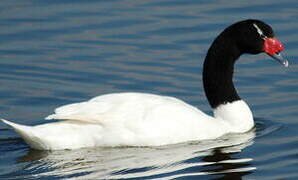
point(218, 70)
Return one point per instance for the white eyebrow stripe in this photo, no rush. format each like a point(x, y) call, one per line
point(259, 30)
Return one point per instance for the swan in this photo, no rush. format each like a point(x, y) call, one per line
point(142, 119)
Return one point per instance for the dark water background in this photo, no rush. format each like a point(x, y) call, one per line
point(55, 52)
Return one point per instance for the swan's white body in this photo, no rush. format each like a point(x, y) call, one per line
point(134, 119)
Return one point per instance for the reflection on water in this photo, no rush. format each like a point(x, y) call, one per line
point(206, 158)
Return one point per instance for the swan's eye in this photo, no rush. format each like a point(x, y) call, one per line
point(263, 36)
point(260, 32)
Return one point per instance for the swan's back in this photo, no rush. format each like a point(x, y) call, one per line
point(126, 107)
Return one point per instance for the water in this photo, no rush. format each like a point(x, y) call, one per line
point(59, 52)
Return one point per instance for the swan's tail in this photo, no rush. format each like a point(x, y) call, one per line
point(26, 132)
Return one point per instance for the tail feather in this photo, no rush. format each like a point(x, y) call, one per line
point(26, 132)
point(13, 125)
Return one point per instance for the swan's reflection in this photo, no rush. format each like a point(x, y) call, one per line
point(226, 166)
point(209, 158)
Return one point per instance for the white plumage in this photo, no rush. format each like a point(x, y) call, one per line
point(129, 119)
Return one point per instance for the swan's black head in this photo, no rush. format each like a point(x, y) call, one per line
point(249, 36)
point(254, 37)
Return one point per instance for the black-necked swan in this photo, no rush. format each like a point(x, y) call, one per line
point(140, 119)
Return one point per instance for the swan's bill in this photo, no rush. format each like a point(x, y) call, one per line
point(280, 59)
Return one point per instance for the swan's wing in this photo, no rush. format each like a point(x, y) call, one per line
point(85, 111)
point(105, 108)
point(129, 109)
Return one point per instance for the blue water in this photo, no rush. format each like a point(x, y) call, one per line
point(55, 52)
